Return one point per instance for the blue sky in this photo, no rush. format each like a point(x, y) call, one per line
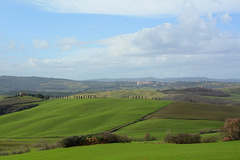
point(82, 39)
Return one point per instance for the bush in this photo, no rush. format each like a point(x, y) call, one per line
point(109, 137)
point(231, 129)
point(91, 141)
point(72, 141)
point(182, 138)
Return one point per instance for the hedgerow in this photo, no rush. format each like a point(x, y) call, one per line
point(102, 138)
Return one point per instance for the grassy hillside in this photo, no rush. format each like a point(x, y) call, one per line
point(186, 110)
point(159, 127)
point(207, 151)
point(75, 116)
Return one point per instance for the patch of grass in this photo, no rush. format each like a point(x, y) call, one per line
point(160, 127)
point(186, 110)
point(203, 151)
point(66, 117)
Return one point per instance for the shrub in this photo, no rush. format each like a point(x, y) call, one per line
point(109, 137)
point(182, 138)
point(72, 141)
point(231, 129)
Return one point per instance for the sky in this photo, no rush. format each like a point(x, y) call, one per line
point(92, 39)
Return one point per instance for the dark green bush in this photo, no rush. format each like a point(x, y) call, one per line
point(107, 137)
point(72, 141)
point(110, 137)
point(182, 138)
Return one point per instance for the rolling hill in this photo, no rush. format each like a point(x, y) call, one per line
point(63, 117)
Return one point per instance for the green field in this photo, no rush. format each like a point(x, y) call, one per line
point(159, 127)
point(66, 117)
point(194, 111)
point(63, 117)
point(149, 151)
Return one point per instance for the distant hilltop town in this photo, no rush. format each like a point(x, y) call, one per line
point(144, 82)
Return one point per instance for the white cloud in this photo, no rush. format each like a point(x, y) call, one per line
point(136, 7)
point(193, 35)
point(226, 17)
point(193, 47)
point(68, 43)
point(40, 44)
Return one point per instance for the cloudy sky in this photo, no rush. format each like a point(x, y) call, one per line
point(90, 39)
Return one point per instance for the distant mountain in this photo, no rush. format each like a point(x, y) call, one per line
point(12, 83)
point(40, 84)
point(183, 79)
